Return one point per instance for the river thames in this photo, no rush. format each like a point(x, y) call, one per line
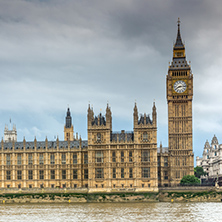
point(112, 212)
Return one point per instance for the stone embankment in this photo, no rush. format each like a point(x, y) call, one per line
point(188, 194)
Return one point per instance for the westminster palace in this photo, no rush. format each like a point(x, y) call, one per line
point(110, 161)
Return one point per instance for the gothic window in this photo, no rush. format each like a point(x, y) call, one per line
point(64, 174)
point(85, 174)
point(165, 175)
point(19, 174)
point(145, 156)
point(130, 173)
point(145, 136)
point(30, 161)
point(130, 156)
point(19, 159)
point(215, 154)
point(8, 159)
point(165, 161)
point(99, 174)
point(30, 175)
point(63, 158)
point(177, 161)
point(184, 161)
point(41, 159)
point(177, 174)
point(145, 172)
point(74, 158)
point(113, 156)
point(99, 157)
point(122, 156)
point(176, 110)
point(52, 172)
point(114, 173)
point(158, 161)
point(52, 158)
point(41, 174)
point(8, 175)
point(75, 174)
point(207, 156)
point(85, 158)
point(122, 172)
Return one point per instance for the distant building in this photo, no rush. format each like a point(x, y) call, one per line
point(10, 134)
point(212, 158)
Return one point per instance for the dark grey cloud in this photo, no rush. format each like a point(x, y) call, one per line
point(54, 53)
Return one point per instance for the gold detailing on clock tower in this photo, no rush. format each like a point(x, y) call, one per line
point(179, 98)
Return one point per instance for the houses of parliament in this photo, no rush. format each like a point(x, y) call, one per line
point(110, 161)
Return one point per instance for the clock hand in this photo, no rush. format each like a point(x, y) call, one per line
point(179, 86)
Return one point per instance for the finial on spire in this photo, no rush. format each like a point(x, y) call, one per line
point(135, 108)
point(178, 21)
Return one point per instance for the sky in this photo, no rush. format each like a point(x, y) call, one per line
point(56, 54)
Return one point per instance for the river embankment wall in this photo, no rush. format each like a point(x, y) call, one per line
point(170, 194)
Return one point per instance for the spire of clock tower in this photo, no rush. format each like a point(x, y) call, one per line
point(179, 42)
point(179, 61)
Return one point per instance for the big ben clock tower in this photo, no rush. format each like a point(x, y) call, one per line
point(179, 98)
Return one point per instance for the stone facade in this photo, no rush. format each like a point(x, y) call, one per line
point(163, 166)
point(108, 161)
point(212, 158)
point(122, 160)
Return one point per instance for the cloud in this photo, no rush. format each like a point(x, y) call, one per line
point(55, 53)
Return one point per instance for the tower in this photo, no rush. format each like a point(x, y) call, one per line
point(179, 83)
point(10, 133)
point(99, 136)
point(145, 149)
point(68, 128)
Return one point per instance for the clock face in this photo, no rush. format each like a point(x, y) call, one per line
point(179, 86)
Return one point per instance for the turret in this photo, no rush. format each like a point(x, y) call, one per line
point(135, 115)
point(154, 115)
point(68, 119)
point(68, 128)
point(108, 117)
point(90, 116)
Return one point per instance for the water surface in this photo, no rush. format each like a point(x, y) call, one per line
point(112, 212)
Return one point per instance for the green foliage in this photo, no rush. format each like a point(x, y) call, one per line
point(198, 171)
point(189, 179)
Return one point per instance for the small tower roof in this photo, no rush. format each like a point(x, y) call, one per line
point(68, 123)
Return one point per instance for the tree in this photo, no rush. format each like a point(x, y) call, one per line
point(190, 180)
point(198, 171)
